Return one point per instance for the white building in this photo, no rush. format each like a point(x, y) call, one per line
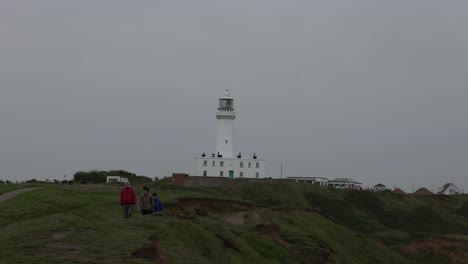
point(344, 183)
point(117, 179)
point(223, 162)
point(314, 180)
point(449, 189)
point(379, 188)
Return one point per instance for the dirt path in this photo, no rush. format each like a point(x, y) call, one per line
point(235, 219)
point(6, 196)
point(240, 217)
point(454, 249)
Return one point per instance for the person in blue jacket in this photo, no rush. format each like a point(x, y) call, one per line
point(158, 207)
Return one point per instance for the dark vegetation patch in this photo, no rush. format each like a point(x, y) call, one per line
point(463, 210)
point(342, 211)
point(228, 243)
point(424, 218)
point(153, 252)
point(191, 208)
point(210, 203)
point(272, 231)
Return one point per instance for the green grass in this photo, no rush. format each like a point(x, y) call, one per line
point(288, 223)
point(319, 235)
point(4, 188)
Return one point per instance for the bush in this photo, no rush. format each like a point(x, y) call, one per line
point(32, 181)
point(101, 176)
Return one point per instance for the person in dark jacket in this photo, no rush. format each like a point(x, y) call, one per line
point(146, 202)
point(157, 205)
point(127, 200)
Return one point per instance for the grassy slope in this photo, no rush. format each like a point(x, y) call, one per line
point(293, 223)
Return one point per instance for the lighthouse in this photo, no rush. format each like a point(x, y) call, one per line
point(224, 162)
point(225, 117)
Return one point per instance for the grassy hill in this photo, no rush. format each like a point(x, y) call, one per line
point(260, 223)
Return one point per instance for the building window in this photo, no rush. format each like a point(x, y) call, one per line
point(241, 174)
point(249, 164)
point(242, 164)
point(214, 163)
point(221, 163)
point(204, 173)
point(257, 165)
point(205, 163)
point(221, 173)
point(257, 174)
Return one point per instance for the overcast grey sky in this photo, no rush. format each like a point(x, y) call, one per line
point(372, 90)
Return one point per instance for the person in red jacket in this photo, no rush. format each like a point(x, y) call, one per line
point(127, 200)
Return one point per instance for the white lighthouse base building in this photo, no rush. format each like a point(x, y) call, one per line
point(231, 167)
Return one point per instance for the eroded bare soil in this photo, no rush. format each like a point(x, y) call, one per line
point(455, 250)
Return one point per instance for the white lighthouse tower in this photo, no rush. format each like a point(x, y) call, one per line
point(225, 116)
point(224, 162)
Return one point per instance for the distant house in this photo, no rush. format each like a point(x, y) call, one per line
point(314, 180)
point(344, 183)
point(449, 189)
point(423, 191)
point(116, 179)
point(379, 188)
point(400, 191)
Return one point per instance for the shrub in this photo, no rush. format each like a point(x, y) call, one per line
point(101, 176)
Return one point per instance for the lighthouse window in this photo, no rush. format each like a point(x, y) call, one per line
point(242, 164)
point(221, 163)
point(205, 173)
point(221, 173)
point(257, 165)
point(257, 174)
point(241, 174)
point(205, 163)
point(214, 163)
point(226, 141)
point(249, 164)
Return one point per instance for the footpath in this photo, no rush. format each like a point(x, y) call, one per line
point(6, 196)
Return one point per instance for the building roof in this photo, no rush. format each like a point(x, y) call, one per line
point(305, 177)
point(400, 191)
point(423, 191)
point(227, 95)
point(224, 159)
point(348, 180)
point(379, 185)
point(446, 186)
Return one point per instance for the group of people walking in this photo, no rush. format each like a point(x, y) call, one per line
point(148, 204)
